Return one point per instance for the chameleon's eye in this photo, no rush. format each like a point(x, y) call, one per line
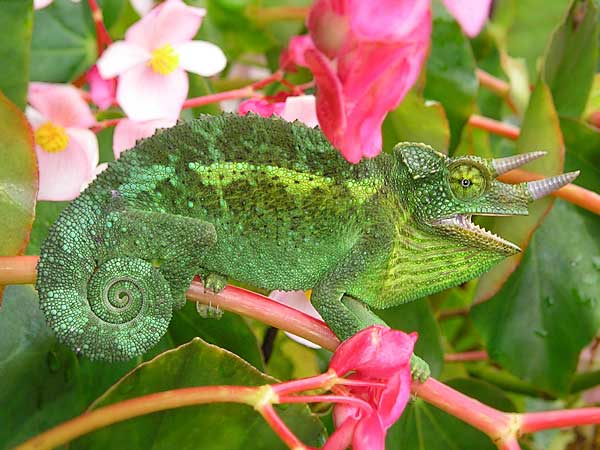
point(467, 181)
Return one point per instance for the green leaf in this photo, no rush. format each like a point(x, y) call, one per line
point(540, 130)
point(290, 359)
point(210, 426)
point(416, 120)
point(451, 73)
point(46, 214)
point(570, 61)
point(18, 179)
point(417, 316)
point(43, 382)
point(548, 309)
point(532, 23)
point(424, 427)
point(16, 21)
point(583, 152)
point(230, 332)
point(64, 42)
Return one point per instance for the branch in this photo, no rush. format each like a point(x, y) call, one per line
point(495, 126)
point(103, 39)
point(478, 355)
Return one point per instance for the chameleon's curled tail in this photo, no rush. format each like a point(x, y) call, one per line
point(102, 306)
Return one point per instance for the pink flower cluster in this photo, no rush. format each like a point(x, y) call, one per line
point(144, 75)
point(378, 359)
point(364, 57)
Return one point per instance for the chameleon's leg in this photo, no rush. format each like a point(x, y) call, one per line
point(215, 283)
point(345, 315)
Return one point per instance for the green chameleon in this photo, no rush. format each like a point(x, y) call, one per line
point(271, 204)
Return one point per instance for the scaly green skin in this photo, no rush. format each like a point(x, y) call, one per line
point(268, 203)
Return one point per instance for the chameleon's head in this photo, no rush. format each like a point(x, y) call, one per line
point(444, 193)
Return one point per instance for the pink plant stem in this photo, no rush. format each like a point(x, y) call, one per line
point(537, 421)
point(479, 355)
point(259, 307)
point(135, 407)
point(508, 444)
point(492, 422)
point(494, 126)
point(279, 427)
point(322, 381)
point(102, 37)
point(99, 126)
point(327, 399)
point(244, 92)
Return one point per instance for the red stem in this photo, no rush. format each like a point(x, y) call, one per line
point(247, 91)
point(508, 444)
point(329, 399)
point(279, 427)
point(478, 355)
point(494, 126)
point(103, 39)
point(537, 421)
point(306, 384)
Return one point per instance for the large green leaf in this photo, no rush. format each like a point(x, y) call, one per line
point(417, 316)
point(571, 58)
point(230, 332)
point(210, 426)
point(529, 30)
point(416, 120)
point(424, 427)
point(540, 131)
point(450, 73)
point(43, 382)
point(64, 42)
point(548, 309)
point(18, 179)
point(583, 152)
point(16, 24)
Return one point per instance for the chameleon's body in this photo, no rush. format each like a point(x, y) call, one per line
point(268, 203)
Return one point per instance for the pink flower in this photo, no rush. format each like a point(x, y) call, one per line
point(67, 151)
point(152, 60)
point(128, 132)
point(381, 356)
point(365, 57)
point(39, 4)
point(301, 107)
point(471, 15)
point(297, 300)
point(102, 91)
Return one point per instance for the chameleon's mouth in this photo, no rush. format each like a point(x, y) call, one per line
point(464, 225)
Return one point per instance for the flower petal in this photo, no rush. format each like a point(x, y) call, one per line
point(394, 397)
point(470, 14)
point(119, 57)
point(142, 7)
point(97, 171)
point(39, 4)
point(302, 108)
point(374, 352)
point(128, 132)
point(34, 117)
point(299, 301)
point(62, 174)
point(171, 22)
point(369, 434)
point(201, 57)
point(146, 95)
point(293, 55)
point(102, 91)
point(261, 107)
point(60, 103)
point(330, 101)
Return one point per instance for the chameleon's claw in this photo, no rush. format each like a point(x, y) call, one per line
point(208, 311)
point(419, 369)
point(214, 282)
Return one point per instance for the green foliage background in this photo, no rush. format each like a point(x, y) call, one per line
point(541, 309)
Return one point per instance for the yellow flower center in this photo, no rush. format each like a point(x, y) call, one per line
point(164, 60)
point(51, 137)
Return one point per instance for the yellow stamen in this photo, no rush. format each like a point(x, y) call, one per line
point(164, 60)
point(51, 137)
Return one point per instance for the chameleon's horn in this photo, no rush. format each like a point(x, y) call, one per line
point(503, 165)
point(541, 188)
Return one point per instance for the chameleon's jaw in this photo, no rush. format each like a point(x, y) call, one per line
point(461, 225)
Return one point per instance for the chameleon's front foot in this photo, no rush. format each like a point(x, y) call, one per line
point(419, 369)
point(215, 283)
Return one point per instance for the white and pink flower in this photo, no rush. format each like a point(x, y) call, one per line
point(66, 150)
point(152, 60)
